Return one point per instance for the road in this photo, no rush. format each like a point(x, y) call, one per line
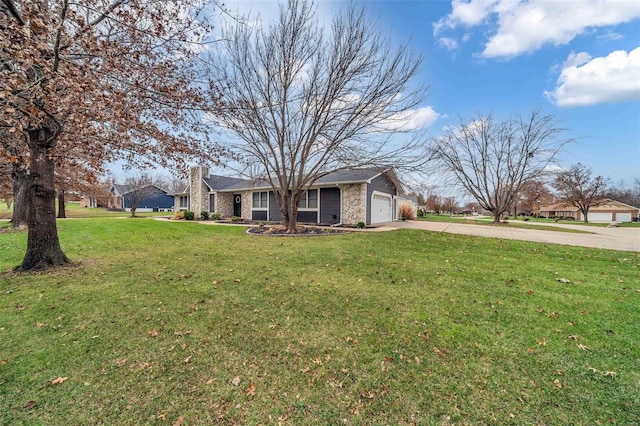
point(624, 239)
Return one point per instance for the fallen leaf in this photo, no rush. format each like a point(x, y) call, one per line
point(557, 383)
point(39, 324)
point(29, 405)
point(563, 280)
point(235, 381)
point(609, 373)
point(583, 347)
point(179, 421)
point(154, 333)
point(187, 360)
point(572, 337)
point(251, 390)
point(59, 380)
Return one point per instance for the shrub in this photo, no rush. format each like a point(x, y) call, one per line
point(526, 218)
point(204, 215)
point(235, 219)
point(360, 225)
point(406, 211)
point(189, 215)
point(215, 216)
point(179, 215)
point(420, 213)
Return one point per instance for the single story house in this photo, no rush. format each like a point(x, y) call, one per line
point(340, 197)
point(607, 211)
point(154, 199)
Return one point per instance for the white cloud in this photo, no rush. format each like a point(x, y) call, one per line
point(526, 26)
point(411, 120)
point(588, 81)
point(449, 42)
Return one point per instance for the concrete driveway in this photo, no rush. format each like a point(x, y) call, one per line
point(624, 239)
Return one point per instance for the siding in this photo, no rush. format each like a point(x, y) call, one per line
point(259, 215)
point(381, 184)
point(330, 205)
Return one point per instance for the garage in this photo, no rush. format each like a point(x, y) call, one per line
point(600, 217)
point(623, 217)
point(381, 210)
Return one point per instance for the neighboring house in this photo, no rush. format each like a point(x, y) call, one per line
point(608, 211)
point(341, 197)
point(155, 199)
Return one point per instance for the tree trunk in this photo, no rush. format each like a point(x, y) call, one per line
point(20, 199)
point(62, 213)
point(284, 210)
point(585, 217)
point(496, 217)
point(43, 246)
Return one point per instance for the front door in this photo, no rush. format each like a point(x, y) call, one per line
point(237, 205)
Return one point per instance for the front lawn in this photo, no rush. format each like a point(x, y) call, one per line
point(181, 323)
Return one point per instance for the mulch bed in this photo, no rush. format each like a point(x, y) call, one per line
point(303, 231)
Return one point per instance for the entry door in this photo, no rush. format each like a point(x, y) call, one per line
point(237, 205)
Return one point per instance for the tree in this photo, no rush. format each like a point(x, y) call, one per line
point(139, 187)
point(533, 194)
point(95, 81)
point(491, 160)
point(576, 187)
point(301, 102)
point(628, 195)
point(434, 203)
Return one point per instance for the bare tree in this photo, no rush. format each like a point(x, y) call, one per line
point(491, 160)
point(626, 194)
point(302, 102)
point(138, 188)
point(575, 186)
point(95, 80)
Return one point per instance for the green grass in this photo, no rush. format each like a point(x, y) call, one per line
point(73, 210)
point(156, 319)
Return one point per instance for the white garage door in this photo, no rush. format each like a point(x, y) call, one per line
point(380, 208)
point(600, 217)
point(623, 217)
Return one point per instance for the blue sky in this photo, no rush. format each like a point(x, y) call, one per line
point(576, 59)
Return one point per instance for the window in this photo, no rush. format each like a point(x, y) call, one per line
point(184, 201)
point(260, 200)
point(212, 202)
point(308, 200)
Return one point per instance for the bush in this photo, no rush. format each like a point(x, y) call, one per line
point(179, 215)
point(406, 211)
point(189, 215)
point(360, 225)
point(215, 216)
point(420, 213)
point(204, 215)
point(235, 219)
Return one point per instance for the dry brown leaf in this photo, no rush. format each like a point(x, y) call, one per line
point(235, 381)
point(187, 360)
point(557, 383)
point(39, 324)
point(59, 381)
point(154, 333)
point(583, 347)
point(179, 422)
point(251, 390)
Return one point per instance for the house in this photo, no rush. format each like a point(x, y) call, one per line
point(607, 211)
point(340, 197)
point(154, 199)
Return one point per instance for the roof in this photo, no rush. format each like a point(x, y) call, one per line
point(122, 189)
point(216, 182)
point(338, 177)
point(606, 204)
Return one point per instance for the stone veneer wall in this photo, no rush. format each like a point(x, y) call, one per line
point(247, 201)
point(354, 208)
point(224, 204)
point(199, 194)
